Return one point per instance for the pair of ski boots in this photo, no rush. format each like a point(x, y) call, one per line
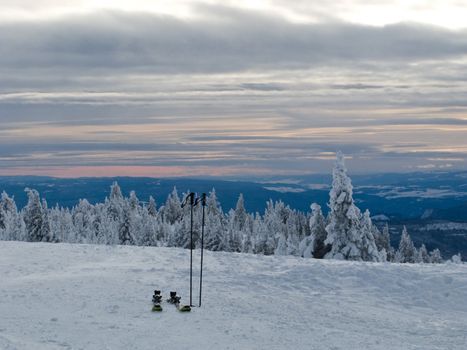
point(174, 299)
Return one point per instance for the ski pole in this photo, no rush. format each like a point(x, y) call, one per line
point(203, 203)
point(192, 198)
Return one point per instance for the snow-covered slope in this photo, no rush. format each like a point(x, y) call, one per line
point(63, 296)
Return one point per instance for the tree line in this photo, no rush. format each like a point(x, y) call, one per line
point(345, 233)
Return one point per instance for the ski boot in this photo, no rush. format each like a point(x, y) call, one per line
point(156, 300)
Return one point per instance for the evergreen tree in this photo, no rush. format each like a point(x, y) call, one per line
point(422, 255)
point(82, 219)
point(33, 216)
point(406, 252)
point(115, 203)
point(435, 256)
point(215, 232)
point(240, 215)
point(133, 202)
point(456, 259)
point(124, 232)
point(11, 223)
point(152, 208)
point(147, 230)
point(172, 209)
point(344, 231)
point(369, 249)
point(264, 239)
point(313, 246)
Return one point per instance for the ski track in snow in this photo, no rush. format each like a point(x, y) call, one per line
point(69, 296)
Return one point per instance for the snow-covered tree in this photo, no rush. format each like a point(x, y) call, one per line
point(152, 208)
point(370, 250)
point(435, 256)
point(36, 219)
point(82, 217)
point(422, 255)
point(345, 233)
point(11, 223)
point(313, 246)
point(125, 235)
point(115, 203)
point(456, 259)
point(240, 215)
point(215, 230)
point(406, 252)
point(148, 234)
point(264, 239)
point(172, 209)
point(133, 202)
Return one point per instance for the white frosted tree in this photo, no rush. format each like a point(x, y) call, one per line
point(152, 207)
point(457, 259)
point(240, 215)
point(345, 233)
point(115, 202)
point(369, 249)
point(435, 256)
point(125, 235)
point(147, 230)
point(215, 235)
point(264, 238)
point(35, 218)
point(172, 210)
point(133, 202)
point(422, 255)
point(11, 223)
point(82, 216)
point(406, 252)
point(313, 245)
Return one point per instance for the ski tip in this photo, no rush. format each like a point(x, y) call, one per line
point(184, 308)
point(157, 308)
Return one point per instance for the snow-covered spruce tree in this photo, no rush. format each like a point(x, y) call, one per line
point(61, 224)
point(115, 202)
point(48, 235)
point(422, 255)
point(172, 210)
point(11, 222)
point(369, 233)
point(234, 233)
point(36, 221)
point(457, 259)
point(7, 203)
point(147, 233)
point(383, 241)
point(345, 233)
point(215, 235)
point(264, 238)
point(152, 207)
point(133, 202)
point(240, 215)
point(406, 252)
point(82, 217)
point(125, 235)
point(435, 256)
point(313, 246)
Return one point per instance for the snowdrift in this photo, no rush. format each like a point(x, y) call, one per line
point(69, 296)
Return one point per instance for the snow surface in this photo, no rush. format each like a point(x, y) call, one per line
point(70, 296)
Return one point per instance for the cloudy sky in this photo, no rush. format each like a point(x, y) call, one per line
point(171, 88)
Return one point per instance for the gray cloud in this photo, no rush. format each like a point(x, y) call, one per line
point(225, 40)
